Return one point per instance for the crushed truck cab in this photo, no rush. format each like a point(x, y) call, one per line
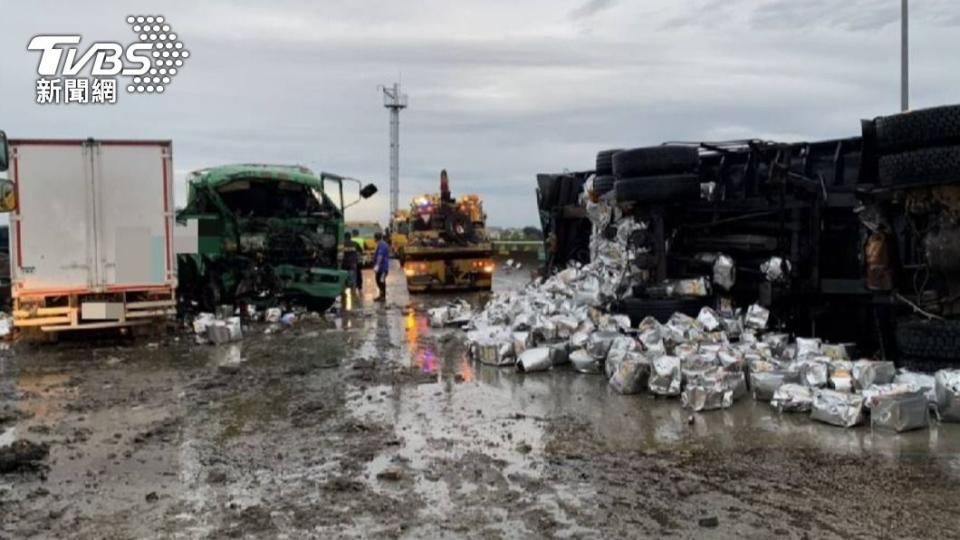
point(265, 232)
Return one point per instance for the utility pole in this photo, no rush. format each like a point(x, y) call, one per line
point(904, 57)
point(395, 101)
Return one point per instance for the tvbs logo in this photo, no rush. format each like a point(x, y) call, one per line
point(150, 63)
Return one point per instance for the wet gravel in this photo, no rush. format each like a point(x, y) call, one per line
point(371, 424)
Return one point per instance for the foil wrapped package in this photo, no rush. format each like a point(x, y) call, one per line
point(708, 319)
point(867, 373)
point(521, 342)
point(777, 341)
point(808, 347)
point(691, 287)
point(841, 375)
point(736, 382)
point(491, 345)
point(837, 408)
point(757, 317)
point(566, 325)
point(665, 376)
point(599, 343)
point(926, 383)
point(724, 272)
point(706, 397)
point(733, 326)
point(632, 374)
point(620, 347)
point(835, 351)
point(877, 392)
point(584, 362)
point(536, 359)
point(947, 384)
point(900, 412)
point(765, 383)
point(731, 359)
point(813, 373)
point(793, 397)
point(775, 269)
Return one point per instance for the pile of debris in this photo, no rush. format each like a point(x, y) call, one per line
point(708, 361)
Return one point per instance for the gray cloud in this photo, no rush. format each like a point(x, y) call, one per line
point(591, 8)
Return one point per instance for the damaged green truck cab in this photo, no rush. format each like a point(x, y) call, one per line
point(265, 233)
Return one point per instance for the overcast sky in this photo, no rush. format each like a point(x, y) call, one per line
point(499, 90)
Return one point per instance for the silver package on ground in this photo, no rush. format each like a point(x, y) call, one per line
point(765, 383)
point(536, 359)
point(706, 397)
point(757, 317)
point(948, 394)
point(900, 412)
point(584, 362)
point(867, 373)
point(665, 377)
point(632, 374)
point(793, 397)
point(923, 381)
point(837, 408)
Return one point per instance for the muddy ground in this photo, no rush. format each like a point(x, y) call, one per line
point(369, 423)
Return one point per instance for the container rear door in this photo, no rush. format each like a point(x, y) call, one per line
point(53, 234)
point(134, 192)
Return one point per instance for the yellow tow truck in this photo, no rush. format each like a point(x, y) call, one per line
point(447, 246)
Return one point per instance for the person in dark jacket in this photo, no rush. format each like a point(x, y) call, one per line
point(381, 265)
point(350, 261)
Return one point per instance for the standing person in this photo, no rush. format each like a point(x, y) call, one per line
point(350, 261)
point(381, 265)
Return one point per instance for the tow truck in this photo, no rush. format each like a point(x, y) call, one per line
point(447, 246)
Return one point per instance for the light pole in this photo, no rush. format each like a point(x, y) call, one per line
point(904, 57)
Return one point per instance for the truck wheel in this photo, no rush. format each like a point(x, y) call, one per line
point(320, 305)
point(929, 340)
point(605, 161)
point(937, 126)
point(655, 160)
point(926, 166)
point(639, 308)
point(212, 294)
point(603, 184)
point(677, 187)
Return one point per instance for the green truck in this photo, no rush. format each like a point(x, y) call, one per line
point(265, 234)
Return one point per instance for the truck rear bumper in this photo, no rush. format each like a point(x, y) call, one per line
point(65, 312)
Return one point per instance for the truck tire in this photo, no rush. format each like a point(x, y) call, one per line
point(655, 160)
point(677, 187)
point(929, 340)
point(603, 184)
point(916, 167)
point(937, 126)
point(660, 309)
point(605, 161)
point(320, 305)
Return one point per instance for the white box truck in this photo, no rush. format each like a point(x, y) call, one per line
point(91, 233)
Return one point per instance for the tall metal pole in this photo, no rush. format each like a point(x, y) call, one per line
point(395, 101)
point(904, 57)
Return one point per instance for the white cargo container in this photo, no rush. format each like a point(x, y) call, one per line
point(91, 243)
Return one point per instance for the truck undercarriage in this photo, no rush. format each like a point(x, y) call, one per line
point(831, 236)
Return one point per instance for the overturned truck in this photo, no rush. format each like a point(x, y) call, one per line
point(265, 233)
point(852, 239)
